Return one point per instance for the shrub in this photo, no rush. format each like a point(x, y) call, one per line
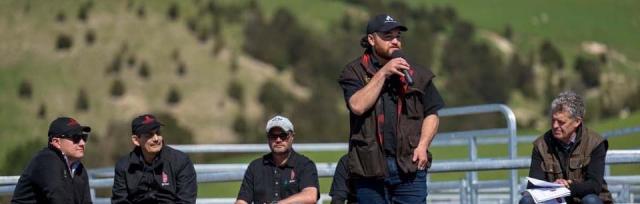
point(42, 111)
point(141, 12)
point(82, 102)
point(589, 70)
point(240, 125)
point(90, 37)
point(173, 11)
point(117, 88)
point(173, 97)
point(17, 158)
point(235, 90)
point(144, 71)
point(114, 66)
point(181, 69)
point(25, 89)
point(550, 55)
point(131, 61)
point(63, 42)
point(83, 11)
point(273, 97)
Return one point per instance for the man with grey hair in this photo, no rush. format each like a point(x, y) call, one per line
point(570, 154)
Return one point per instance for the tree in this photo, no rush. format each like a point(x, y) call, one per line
point(173, 97)
point(235, 90)
point(173, 12)
point(589, 70)
point(82, 102)
point(117, 88)
point(63, 42)
point(144, 72)
point(274, 98)
point(42, 111)
point(550, 55)
point(25, 90)
point(90, 37)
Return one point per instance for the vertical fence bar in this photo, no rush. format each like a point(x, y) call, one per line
point(472, 176)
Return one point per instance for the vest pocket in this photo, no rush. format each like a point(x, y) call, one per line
point(552, 170)
point(413, 104)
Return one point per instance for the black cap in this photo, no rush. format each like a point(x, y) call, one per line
point(65, 126)
point(144, 124)
point(383, 23)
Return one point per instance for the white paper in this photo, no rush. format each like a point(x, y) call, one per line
point(541, 183)
point(548, 194)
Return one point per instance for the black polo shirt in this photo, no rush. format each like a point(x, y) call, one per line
point(264, 182)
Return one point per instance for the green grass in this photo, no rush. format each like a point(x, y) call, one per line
point(568, 24)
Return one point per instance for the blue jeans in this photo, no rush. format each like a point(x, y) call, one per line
point(588, 199)
point(397, 188)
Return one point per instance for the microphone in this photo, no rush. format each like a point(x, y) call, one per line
point(407, 77)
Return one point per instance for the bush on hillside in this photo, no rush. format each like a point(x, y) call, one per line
point(589, 70)
point(115, 65)
point(240, 125)
point(42, 111)
point(90, 37)
point(117, 89)
point(20, 155)
point(174, 97)
point(83, 11)
point(274, 98)
point(141, 12)
point(550, 55)
point(173, 12)
point(63, 42)
point(82, 102)
point(144, 71)
point(181, 69)
point(25, 89)
point(131, 61)
point(235, 90)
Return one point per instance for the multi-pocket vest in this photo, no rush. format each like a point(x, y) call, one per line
point(577, 163)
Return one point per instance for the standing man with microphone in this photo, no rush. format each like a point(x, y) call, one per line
point(393, 106)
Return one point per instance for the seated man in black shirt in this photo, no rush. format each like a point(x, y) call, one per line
point(281, 176)
point(570, 154)
point(342, 188)
point(153, 172)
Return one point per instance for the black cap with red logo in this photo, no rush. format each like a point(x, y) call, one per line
point(65, 126)
point(144, 124)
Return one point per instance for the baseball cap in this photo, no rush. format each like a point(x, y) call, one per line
point(66, 126)
point(281, 122)
point(383, 23)
point(144, 124)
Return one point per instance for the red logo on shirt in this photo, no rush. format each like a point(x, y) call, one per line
point(165, 179)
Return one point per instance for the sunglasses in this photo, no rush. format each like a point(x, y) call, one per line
point(76, 138)
point(150, 134)
point(282, 136)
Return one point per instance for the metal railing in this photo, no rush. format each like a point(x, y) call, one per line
point(468, 188)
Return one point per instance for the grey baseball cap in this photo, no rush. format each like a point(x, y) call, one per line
point(281, 122)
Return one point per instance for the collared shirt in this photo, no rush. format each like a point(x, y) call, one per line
point(265, 182)
point(71, 167)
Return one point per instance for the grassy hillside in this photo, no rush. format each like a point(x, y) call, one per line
point(28, 32)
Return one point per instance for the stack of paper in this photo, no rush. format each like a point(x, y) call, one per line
point(547, 191)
